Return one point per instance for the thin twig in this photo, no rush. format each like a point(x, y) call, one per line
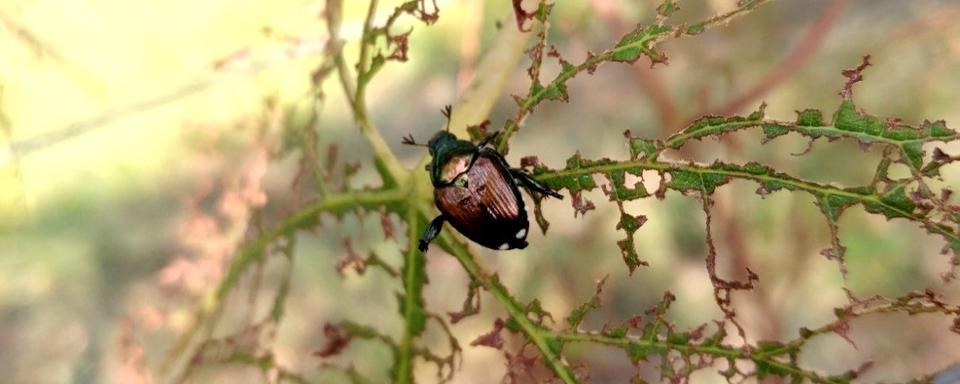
point(642, 43)
point(209, 313)
point(358, 102)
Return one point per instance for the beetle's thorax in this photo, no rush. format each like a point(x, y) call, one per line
point(454, 167)
point(451, 157)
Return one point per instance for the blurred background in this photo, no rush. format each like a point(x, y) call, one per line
point(141, 142)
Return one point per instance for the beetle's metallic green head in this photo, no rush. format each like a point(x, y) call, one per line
point(451, 157)
point(441, 141)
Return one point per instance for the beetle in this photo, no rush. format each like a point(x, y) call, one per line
point(477, 192)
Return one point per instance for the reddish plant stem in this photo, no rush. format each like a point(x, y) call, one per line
point(644, 76)
point(802, 53)
point(667, 112)
point(938, 21)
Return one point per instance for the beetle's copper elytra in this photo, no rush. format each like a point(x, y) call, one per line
point(476, 192)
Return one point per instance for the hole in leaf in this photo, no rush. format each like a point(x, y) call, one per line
point(898, 171)
point(599, 179)
point(666, 178)
point(650, 179)
point(631, 179)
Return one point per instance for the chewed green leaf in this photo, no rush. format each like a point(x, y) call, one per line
point(696, 28)
point(715, 125)
point(768, 347)
point(833, 204)
point(715, 339)
point(619, 191)
point(571, 180)
point(810, 118)
point(556, 92)
point(617, 332)
point(913, 153)
point(553, 91)
point(938, 129)
point(772, 130)
point(576, 316)
point(847, 123)
point(630, 46)
point(893, 203)
point(578, 177)
point(641, 148)
point(687, 180)
point(637, 43)
point(848, 119)
point(639, 352)
point(667, 8)
point(630, 224)
point(767, 367)
point(678, 338)
point(628, 54)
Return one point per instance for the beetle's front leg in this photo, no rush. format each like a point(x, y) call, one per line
point(431, 232)
point(532, 184)
point(486, 140)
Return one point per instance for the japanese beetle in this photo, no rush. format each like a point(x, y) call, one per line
point(476, 191)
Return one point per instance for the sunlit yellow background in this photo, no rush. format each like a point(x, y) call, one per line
point(118, 118)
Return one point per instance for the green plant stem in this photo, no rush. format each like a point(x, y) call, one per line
point(739, 172)
point(365, 43)
point(915, 308)
point(724, 18)
point(536, 334)
point(356, 95)
point(336, 49)
point(913, 304)
point(413, 311)
point(212, 307)
point(655, 346)
point(306, 217)
point(695, 132)
point(680, 138)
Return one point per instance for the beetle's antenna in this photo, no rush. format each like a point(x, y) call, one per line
point(447, 110)
point(408, 140)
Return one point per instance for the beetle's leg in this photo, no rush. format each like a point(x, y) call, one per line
point(447, 111)
point(532, 184)
point(486, 140)
point(431, 232)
